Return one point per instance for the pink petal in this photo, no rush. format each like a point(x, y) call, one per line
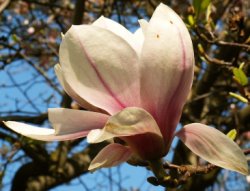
point(67, 121)
point(119, 30)
point(68, 124)
point(72, 93)
point(128, 122)
point(111, 155)
point(137, 128)
point(96, 68)
point(166, 69)
point(213, 146)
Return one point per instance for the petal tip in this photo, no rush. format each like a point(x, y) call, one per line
point(111, 155)
point(93, 167)
point(94, 136)
point(57, 67)
point(62, 35)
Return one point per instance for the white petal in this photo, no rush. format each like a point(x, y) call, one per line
point(139, 35)
point(129, 122)
point(72, 93)
point(104, 74)
point(119, 30)
point(68, 124)
point(137, 128)
point(144, 25)
point(213, 146)
point(39, 133)
point(67, 121)
point(166, 69)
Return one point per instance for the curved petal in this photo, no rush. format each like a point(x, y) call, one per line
point(139, 35)
point(39, 133)
point(137, 128)
point(143, 25)
point(128, 122)
point(213, 146)
point(111, 155)
point(68, 124)
point(66, 121)
point(119, 30)
point(168, 52)
point(95, 67)
point(72, 93)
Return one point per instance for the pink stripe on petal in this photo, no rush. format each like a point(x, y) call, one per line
point(99, 76)
point(168, 52)
point(106, 77)
point(73, 94)
point(170, 115)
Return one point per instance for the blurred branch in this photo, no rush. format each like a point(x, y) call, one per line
point(204, 38)
point(29, 119)
point(32, 176)
point(79, 12)
point(46, 4)
point(215, 60)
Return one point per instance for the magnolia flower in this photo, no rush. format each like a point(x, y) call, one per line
point(135, 86)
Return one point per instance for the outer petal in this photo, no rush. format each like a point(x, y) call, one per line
point(95, 67)
point(214, 146)
point(68, 124)
point(119, 30)
point(130, 121)
point(72, 93)
point(67, 121)
point(166, 69)
point(137, 128)
point(111, 155)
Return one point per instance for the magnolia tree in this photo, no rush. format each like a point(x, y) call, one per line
point(127, 91)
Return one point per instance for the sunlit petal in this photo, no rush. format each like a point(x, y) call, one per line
point(39, 133)
point(67, 121)
point(68, 124)
point(139, 35)
point(119, 30)
point(67, 88)
point(166, 69)
point(105, 77)
point(129, 122)
point(213, 146)
point(111, 155)
point(137, 128)
point(143, 25)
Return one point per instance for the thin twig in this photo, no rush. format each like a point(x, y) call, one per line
point(40, 71)
point(220, 42)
